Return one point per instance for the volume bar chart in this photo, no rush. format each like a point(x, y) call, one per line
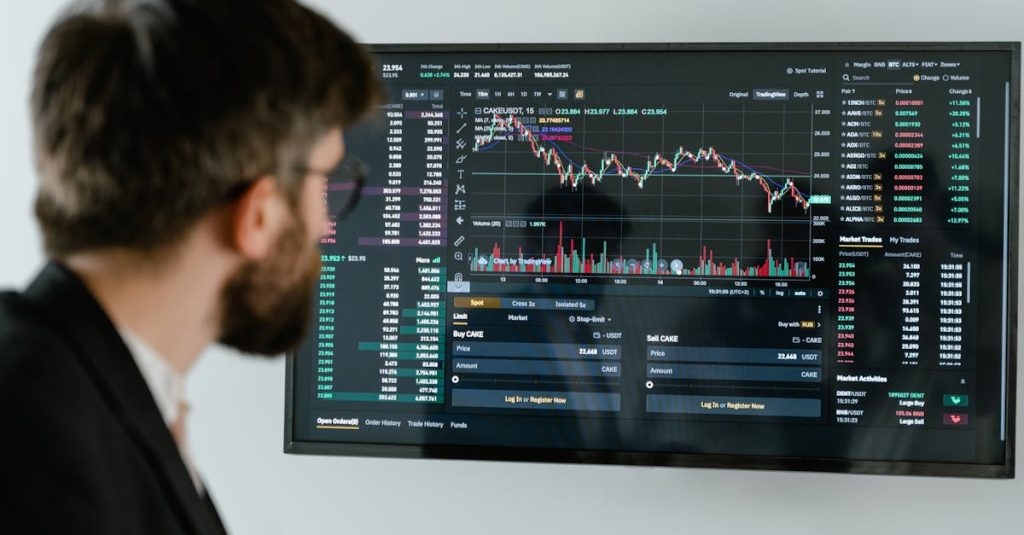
point(570, 261)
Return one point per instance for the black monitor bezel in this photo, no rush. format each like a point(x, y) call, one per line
point(813, 464)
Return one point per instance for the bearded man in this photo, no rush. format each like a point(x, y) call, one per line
point(182, 148)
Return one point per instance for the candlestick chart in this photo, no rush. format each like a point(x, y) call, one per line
point(699, 193)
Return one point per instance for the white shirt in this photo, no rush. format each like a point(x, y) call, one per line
point(167, 386)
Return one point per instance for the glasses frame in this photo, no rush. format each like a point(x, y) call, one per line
point(351, 170)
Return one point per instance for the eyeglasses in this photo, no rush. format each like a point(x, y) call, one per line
point(344, 186)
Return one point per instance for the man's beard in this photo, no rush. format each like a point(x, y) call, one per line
point(266, 305)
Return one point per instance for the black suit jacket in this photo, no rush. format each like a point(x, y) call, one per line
point(83, 448)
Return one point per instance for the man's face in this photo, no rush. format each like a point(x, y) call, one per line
point(266, 304)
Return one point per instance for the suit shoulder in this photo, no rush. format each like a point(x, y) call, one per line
point(18, 317)
point(23, 327)
point(32, 349)
point(54, 453)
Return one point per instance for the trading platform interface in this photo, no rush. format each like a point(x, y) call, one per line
point(769, 254)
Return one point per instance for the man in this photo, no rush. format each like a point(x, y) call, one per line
point(183, 148)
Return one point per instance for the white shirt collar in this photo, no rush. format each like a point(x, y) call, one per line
point(165, 383)
point(167, 386)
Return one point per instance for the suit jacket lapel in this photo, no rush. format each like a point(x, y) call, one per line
point(67, 301)
point(212, 508)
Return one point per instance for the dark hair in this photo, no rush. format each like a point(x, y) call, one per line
point(147, 113)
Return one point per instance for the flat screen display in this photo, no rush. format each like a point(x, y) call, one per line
point(789, 256)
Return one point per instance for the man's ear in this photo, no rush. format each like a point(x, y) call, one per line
point(256, 219)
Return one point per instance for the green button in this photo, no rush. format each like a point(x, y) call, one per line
point(955, 400)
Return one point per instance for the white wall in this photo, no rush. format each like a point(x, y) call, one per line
point(236, 427)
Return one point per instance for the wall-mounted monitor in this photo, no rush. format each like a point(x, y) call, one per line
point(789, 256)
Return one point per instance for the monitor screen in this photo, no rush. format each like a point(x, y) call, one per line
point(792, 256)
